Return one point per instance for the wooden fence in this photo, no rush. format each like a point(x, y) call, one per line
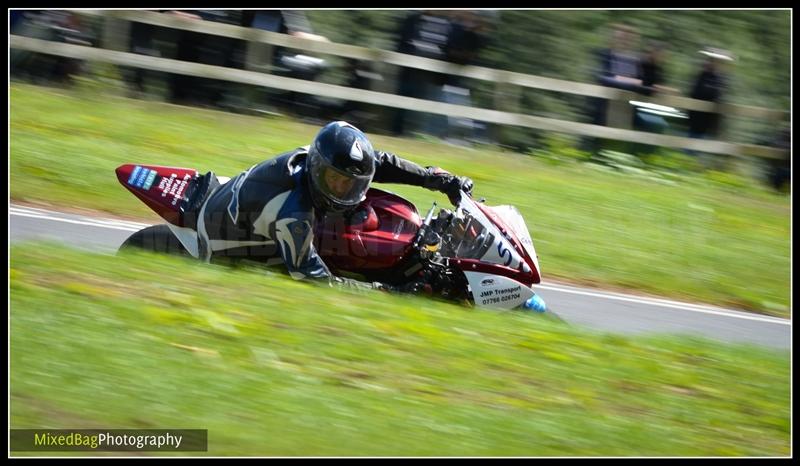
point(116, 38)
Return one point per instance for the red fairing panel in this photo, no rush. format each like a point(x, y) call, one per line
point(378, 235)
point(161, 188)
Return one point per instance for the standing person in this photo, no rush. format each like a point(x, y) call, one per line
point(207, 49)
point(618, 66)
point(468, 36)
point(779, 171)
point(51, 25)
point(710, 84)
point(142, 41)
point(424, 34)
point(652, 74)
point(285, 61)
point(652, 69)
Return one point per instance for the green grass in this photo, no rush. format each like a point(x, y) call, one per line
point(273, 367)
point(696, 239)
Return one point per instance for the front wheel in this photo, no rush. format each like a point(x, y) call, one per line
point(156, 238)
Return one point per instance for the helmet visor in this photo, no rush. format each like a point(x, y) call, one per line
point(341, 187)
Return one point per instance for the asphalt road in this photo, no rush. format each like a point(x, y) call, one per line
point(591, 308)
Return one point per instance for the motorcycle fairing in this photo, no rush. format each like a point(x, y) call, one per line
point(490, 290)
point(161, 188)
point(376, 236)
point(480, 233)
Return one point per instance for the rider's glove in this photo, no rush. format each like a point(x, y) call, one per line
point(447, 183)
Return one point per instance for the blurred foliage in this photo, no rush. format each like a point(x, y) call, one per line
point(99, 78)
point(559, 148)
point(559, 44)
point(672, 160)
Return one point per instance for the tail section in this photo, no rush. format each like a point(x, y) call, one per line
point(161, 188)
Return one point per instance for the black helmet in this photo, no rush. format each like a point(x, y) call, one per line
point(340, 165)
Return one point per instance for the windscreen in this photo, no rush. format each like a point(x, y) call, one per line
point(471, 235)
point(466, 237)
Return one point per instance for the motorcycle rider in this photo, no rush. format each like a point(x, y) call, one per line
point(270, 208)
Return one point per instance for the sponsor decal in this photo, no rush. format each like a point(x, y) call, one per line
point(502, 251)
point(142, 177)
point(166, 184)
point(149, 181)
point(487, 282)
point(177, 189)
point(172, 187)
point(135, 174)
point(355, 152)
point(500, 295)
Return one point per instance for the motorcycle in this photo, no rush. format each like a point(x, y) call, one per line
point(474, 253)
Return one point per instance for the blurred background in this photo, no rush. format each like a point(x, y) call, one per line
point(725, 57)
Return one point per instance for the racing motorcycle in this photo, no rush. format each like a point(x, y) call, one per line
point(472, 253)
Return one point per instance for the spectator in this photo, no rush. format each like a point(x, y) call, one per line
point(52, 25)
point(620, 67)
point(710, 84)
point(779, 171)
point(424, 34)
point(142, 42)
point(284, 61)
point(292, 22)
point(652, 75)
point(206, 49)
point(468, 35)
point(652, 69)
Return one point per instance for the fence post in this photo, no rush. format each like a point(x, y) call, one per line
point(619, 114)
point(259, 56)
point(388, 85)
point(507, 98)
point(116, 32)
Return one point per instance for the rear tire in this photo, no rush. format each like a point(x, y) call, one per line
point(156, 238)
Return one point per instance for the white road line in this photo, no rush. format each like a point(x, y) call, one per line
point(650, 300)
point(19, 210)
point(58, 215)
point(31, 209)
point(132, 226)
point(77, 222)
point(122, 223)
point(669, 304)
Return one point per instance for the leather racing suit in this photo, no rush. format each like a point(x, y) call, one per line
point(267, 211)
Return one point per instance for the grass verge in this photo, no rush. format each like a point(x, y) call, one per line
point(276, 367)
